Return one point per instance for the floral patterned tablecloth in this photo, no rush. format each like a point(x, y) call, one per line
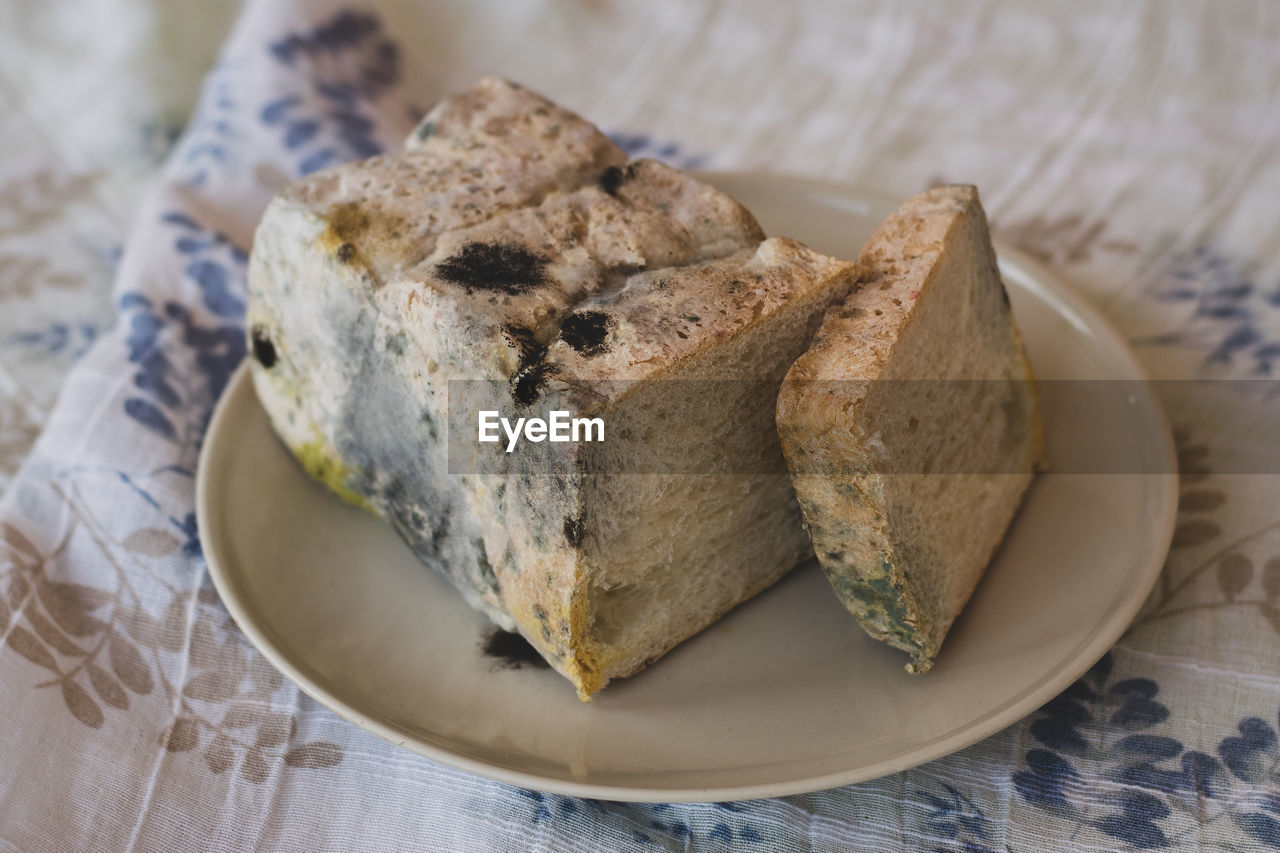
point(1135, 148)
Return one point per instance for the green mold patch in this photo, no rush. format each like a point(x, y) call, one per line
point(878, 602)
point(323, 463)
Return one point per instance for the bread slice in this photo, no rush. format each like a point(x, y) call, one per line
point(911, 426)
point(512, 242)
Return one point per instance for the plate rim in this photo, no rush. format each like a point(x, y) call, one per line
point(1051, 287)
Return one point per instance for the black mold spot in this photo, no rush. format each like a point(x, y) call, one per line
point(612, 179)
point(540, 614)
point(574, 530)
point(346, 253)
point(494, 267)
point(513, 651)
point(264, 352)
point(587, 332)
point(526, 382)
point(524, 340)
point(692, 318)
point(426, 130)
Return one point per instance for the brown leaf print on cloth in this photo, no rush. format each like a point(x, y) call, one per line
point(105, 651)
point(1062, 240)
point(30, 202)
point(24, 276)
point(18, 431)
point(1056, 240)
point(1233, 570)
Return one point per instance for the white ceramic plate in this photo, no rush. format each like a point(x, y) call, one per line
point(784, 695)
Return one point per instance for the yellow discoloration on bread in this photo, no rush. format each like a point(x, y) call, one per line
point(323, 463)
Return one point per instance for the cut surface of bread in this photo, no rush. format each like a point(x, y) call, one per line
point(911, 425)
point(513, 243)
